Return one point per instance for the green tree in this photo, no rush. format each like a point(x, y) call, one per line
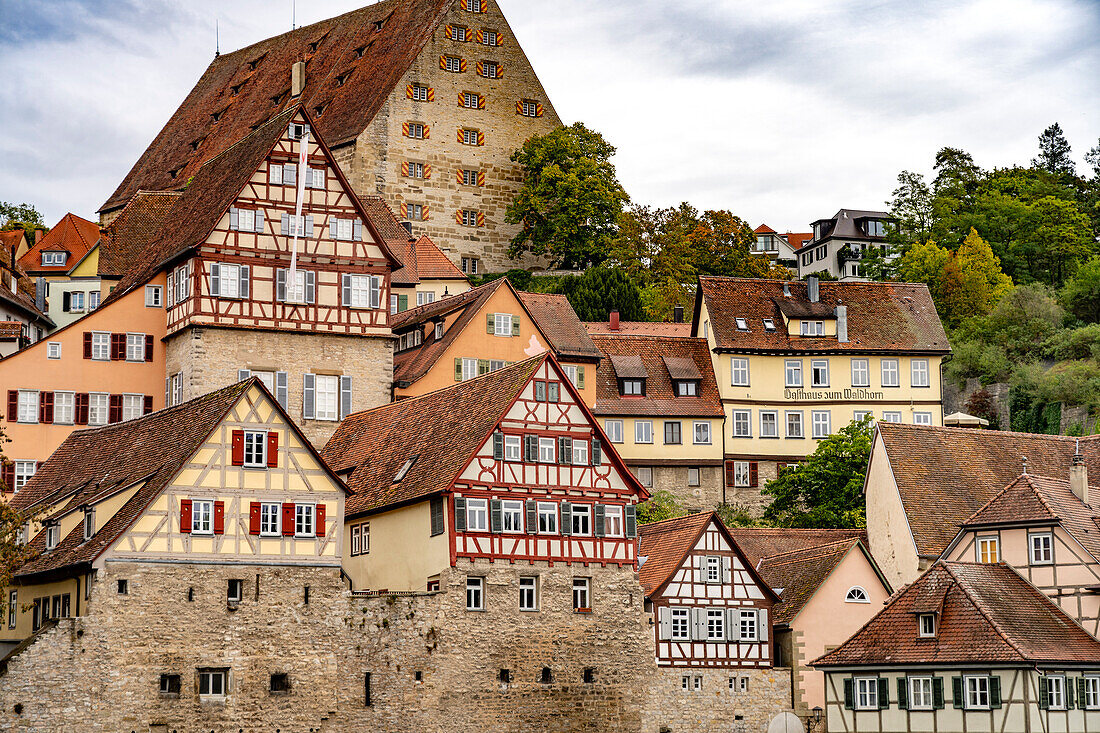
point(571, 199)
point(1092, 157)
point(924, 262)
point(825, 490)
point(21, 216)
point(1054, 152)
point(1081, 294)
point(911, 207)
point(1057, 239)
point(661, 505)
point(601, 290)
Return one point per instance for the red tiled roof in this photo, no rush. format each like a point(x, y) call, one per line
point(72, 234)
point(889, 317)
point(126, 239)
point(557, 320)
point(638, 328)
point(763, 229)
point(432, 264)
point(797, 575)
point(10, 330)
point(988, 614)
point(945, 475)
point(760, 542)
point(797, 240)
point(665, 544)
point(352, 66)
point(660, 398)
point(9, 239)
point(396, 237)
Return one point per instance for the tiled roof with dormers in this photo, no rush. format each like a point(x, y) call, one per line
point(72, 234)
point(665, 544)
point(987, 614)
point(638, 355)
point(638, 328)
point(882, 317)
point(353, 63)
point(126, 238)
point(945, 475)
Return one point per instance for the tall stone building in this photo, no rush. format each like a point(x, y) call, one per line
point(422, 101)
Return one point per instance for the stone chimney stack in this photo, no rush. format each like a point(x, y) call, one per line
point(1079, 478)
point(614, 324)
point(297, 78)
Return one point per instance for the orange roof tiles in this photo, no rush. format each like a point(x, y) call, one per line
point(665, 544)
point(761, 542)
point(126, 238)
point(763, 229)
point(10, 330)
point(797, 240)
point(638, 328)
point(72, 234)
point(557, 320)
point(796, 575)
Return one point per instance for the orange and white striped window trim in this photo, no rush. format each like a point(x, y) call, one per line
point(453, 64)
point(473, 6)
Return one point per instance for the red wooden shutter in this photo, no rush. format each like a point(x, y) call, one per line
point(427, 212)
point(519, 108)
point(461, 99)
point(13, 405)
point(480, 219)
point(481, 178)
point(405, 168)
point(481, 138)
point(443, 62)
point(427, 172)
point(148, 406)
point(405, 129)
point(320, 520)
point(729, 473)
point(45, 407)
point(427, 131)
point(7, 475)
point(460, 178)
point(754, 473)
point(458, 216)
point(288, 520)
point(118, 346)
point(272, 449)
point(238, 447)
point(80, 410)
point(450, 31)
point(431, 94)
point(538, 110)
point(114, 414)
point(254, 518)
point(149, 347)
point(219, 517)
point(185, 516)
point(461, 137)
point(87, 344)
point(480, 102)
point(480, 36)
point(480, 69)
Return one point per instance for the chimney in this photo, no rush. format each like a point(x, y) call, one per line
point(38, 234)
point(614, 324)
point(842, 324)
point(1079, 478)
point(678, 314)
point(40, 294)
point(297, 78)
point(408, 227)
point(812, 289)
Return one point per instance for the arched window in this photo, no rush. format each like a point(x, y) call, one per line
point(856, 595)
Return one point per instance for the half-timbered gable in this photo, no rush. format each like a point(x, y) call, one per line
point(711, 608)
point(508, 466)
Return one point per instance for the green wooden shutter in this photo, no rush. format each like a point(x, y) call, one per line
point(937, 693)
point(957, 692)
point(496, 522)
point(597, 454)
point(599, 523)
point(489, 322)
point(515, 325)
point(994, 691)
point(1070, 688)
point(460, 514)
point(1044, 694)
point(458, 369)
point(498, 446)
point(402, 303)
point(849, 694)
point(903, 693)
point(631, 521)
point(482, 367)
point(532, 517)
point(566, 518)
point(883, 693)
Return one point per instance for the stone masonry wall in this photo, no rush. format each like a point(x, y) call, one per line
point(727, 701)
point(674, 479)
point(211, 357)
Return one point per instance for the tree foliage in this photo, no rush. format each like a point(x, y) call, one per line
point(826, 489)
point(571, 198)
point(21, 216)
point(1081, 294)
point(1054, 152)
point(661, 505)
point(601, 290)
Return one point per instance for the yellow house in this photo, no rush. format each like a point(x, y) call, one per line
point(797, 361)
point(484, 329)
point(225, 479)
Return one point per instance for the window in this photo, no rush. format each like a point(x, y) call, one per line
point(153, 296)
point(645, 476)
point(613, 521)
point(581, 601)
point(529, 108)
point(614, 430)
point(687, 388)
point(101, 346)
point(977, 693)
point(53, 535)
point(477, 515)
point(255, 449)
point(469, 137)
point(712, 567)
point(470, 178)
point(416, 130)
point(228, 283)
point(866, 693)
point(794, 424)
point(453, 64)
point(890, 373)
point(212, 683)
point(680, 628)
point(582, 519)
point(769, 424)
point(693, 476)
point(98, 404)
point(89, 523)
point(861, 373)
point(701, 430)
point(580, 452)
point(919, 371)
point(234, 590)
point(511, 516)
point(28, 406)
point(360, 539)
point(24, 470)
point(133, 406)
point(475, 594)
point(548, 517)
point(926, 625)
point(270, 515)
point(741, 476)
point(76, 301)
point(326, 389)
point(672, 432)
point(739, 372)
point(53, 259)
point(362, 291)
point(716, 624)
point(425, 298)
point(922, 418)
point(469, 369)
point(1092, 686)
point(988, 549)
point(53, 350)
point(813, 328)
point(1041, 549)
point(819, 373)
point(1056, 692)
point(420, 93)
point(856, 595)
point(920, 693)
point(742, 423)
point(643, 431)
point(891, 417)
point(471, 100)
point(822, 420)
point(547, 448)
point(470, 265)
point(528, 594)
point(632, 386)
point(202, 517)
point(749, 629)
point(512, 448)
point(794, 372)
point(502, 324)
point(305, 518)
point(279, 684)
point(490, 38)
point(490, 69)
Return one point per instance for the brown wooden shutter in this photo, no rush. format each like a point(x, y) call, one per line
point(87, 345)
point(148, 406)
point(114, 413)
point(254, 518)
point(729, 473)
point(238, 447)
point(288, 520)
point(118, 346)
point(185, 516)
point(320, 519)
point(219, 517)
point(7, 475)
point(45, 407)
point(80, 409)
point(13, 405)
point(754, 473)
point(272, 449)
point(148, 347)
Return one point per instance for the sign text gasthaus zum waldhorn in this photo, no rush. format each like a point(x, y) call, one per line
point(840, 394)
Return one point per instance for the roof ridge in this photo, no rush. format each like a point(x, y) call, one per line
point(677, 519)
point(981, 608)
point(972, 431)
point(819, 548)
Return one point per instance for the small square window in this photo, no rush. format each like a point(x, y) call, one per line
point(213, 683)
point(280, 684)
point(53, 350)
point(170, 684)
point(234, 590)
point(1041, 545)
point(123, 586)
point(255, 449)
point(927, 625)
point(153, 296)
point(475, 594)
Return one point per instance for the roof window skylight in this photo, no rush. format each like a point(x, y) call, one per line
point(404, 470)
point(769, 324)
point(742, 324)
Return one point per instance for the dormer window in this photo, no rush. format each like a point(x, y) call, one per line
point(813, 328)
point(876, 228)
point(404, 470)
point(54, 259)
point(769, 325)
point(89, 523)
point(297, 130)
point(439, 330)
point(926, 625)
point(742, 324)
point(687, 388)
point(632, 387)
point(53, 536)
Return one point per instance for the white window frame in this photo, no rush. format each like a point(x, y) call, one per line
point(976, 692)
point(548, 450)
point(548, 517)
point(716, 624)
point(861, 372)
point(28, 406)
point(580, 452)
point(255, 449)
point(926, 625)
point(271, 515)
point(229, 280)
point(582, 591)
point(645, 476)
point(133, 406)
point(792, 371)
point(821, 422)
point(64, 408)
point(749, 622)
point(787, 415)
point(581, 520)
point(420, 93)
point(502, 324)
point(53, 350)
point(477, 515)
point(920, 693)
point(511, 513)
point(812, 328)
point(475, 593)
point(154, 296)
point(513, 448)
point(890, 373)
point(1056, 687)
point(815, 366)
point(712, 569)
point(207, 678)
point(326, 397)
point(469, 369)
point(919, 373)
point(741, 475)
point(922, 418)
point(99, 408)
point(1092, 693)
point(857, 594)
point(202, 517)
point(866, 693)
point(614, 430)
point(1045, 555)
point(24, 472)
point(742, 423)
point(774, 432)
point(701, 432)
point(739, 371)
point(613, 521)
point(528, 593)
point(135, 347)
point(679, 624)
point(891, 417)
point(643, 432)
point(981, 544)
point(305, 520)
point(101, 346)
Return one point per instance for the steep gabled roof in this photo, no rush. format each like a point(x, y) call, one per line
point(556, 318)
point(72, 234)
point(843, 224)
point(432, 264)
point(945, 475)
point(420, 259)
point(988, 614)
point(882, 317)
point(126, 238)
point(652, 354)
point(760, 542)
point(8, 239)
point(354, 61)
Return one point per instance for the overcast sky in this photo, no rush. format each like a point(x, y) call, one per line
point(782, 111)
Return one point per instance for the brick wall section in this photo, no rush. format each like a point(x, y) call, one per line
point(210, 358)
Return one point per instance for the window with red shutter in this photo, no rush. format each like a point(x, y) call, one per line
point(185, 516)
point(13, 405)
point(238, 447)
point(80, 416)
point(254, 518)
point(219, 517)
point(320, 517)
point(7, 475)
point(754, 473)
point(114, 412)
point(148, 348)
point(118, 347)
point(288, 520)
point(148, 406)
point(730, 480)
point(87, 344)
point(272, 449)
point(45, 407)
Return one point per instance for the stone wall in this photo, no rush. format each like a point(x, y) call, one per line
point(955, 398)
point(728, 700)
point(211, 357)
point(674, 479)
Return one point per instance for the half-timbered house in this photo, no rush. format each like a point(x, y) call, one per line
point(967, 647)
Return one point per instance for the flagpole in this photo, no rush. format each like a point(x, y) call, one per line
point(303, 171)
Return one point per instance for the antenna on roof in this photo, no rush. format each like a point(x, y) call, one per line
point(293, 14)
point(1025, 465)
point(217, 39)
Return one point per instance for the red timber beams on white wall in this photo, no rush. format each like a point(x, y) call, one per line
point(337, 247)
point(546, 485)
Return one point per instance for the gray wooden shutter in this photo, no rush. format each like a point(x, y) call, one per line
point(664, 622)
point(599, 520)
point(345, 289)
point(308, 410)
point(726, 570)
point(532, 516)
point(357, 230)
point(764, 625)
point(259, 221)
point(234, 219)
point(284, 226)
point(699, 624)
point(460, 514)
point(597, 456)
point(566, 518)
point(903, 693)
point(375, 291)
point(243, 281)
point(215, 279)
point(515, 325)
point(498, 446)
point(733, 624)
point(957, 692)
point(937, 693)
point(309, 225)
point(332, 228)
point(290, 175)
point(345, 396)
point(280, 285)
point(496, 522)
point(565, 451)
point(311, 287)
point(280, 388)
point(631, 521)
point(243, 374)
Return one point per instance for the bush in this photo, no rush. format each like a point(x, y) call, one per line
point(661, 505)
